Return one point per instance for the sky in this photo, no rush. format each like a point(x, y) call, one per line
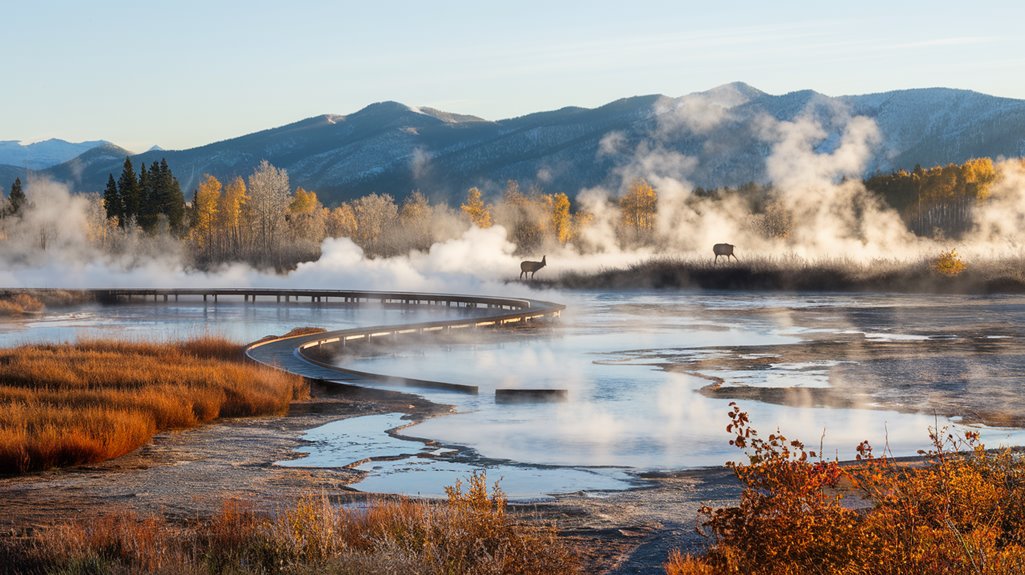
point(186, 73)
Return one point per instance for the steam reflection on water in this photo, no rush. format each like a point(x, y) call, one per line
point(624, 410)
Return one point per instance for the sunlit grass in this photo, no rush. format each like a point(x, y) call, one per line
point(19, 304)
point(69, 404)
point(470, 533)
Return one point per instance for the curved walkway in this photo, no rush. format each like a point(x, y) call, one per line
point(306, 354)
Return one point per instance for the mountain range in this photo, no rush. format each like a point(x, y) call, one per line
point(393, 148)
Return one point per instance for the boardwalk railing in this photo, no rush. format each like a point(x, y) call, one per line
point(314, 350)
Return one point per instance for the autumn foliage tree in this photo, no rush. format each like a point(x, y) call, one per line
point(938, 200)
point(561, 220)
point(341, 222)
point(307, 225)
point(205, 204)
point(476, 210)
point(638, 208)
point(231, 234)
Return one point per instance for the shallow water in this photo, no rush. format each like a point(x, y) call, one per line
point(625, 412)
point(179, 320)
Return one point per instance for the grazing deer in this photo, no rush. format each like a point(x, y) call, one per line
point(531, 267)
point(723, 250)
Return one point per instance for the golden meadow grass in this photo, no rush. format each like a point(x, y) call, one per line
point(19, 304)
point(469, 534)
point(69, 404)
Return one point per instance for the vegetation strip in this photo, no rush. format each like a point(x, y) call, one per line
point(69, 404)
point(469, 533)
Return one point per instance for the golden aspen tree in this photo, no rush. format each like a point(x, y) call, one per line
point(561, 220)
point(978, 175)
point(208, 196)
point(307, 224)
point(229, 217)
point(303, 202)
point(341, 222)
point(638, 208)
point(475, 209)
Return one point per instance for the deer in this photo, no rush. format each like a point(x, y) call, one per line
point(723, 250)
point(532, 267)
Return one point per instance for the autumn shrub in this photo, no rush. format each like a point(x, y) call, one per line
point(471, 533)
point(67, 404)
point(960, 509)
point(949, 264)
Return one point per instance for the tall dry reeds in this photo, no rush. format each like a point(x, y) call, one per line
point(797, 274)
point(471, 533)
point(69, 404)
point(19, 304)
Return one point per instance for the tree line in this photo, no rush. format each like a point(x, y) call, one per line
point(151, 198)
point(263, 221)
point(937, 201)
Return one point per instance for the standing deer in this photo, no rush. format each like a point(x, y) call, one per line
point(531, 267)
point(723, 250)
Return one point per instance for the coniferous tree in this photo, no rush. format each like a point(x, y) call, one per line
point(148, 208)
point(128, 187)
point(112, 202)
point(17, 197)
point(169, 197)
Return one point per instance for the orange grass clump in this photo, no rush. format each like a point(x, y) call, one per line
point(71, 404)
point(470, 533)
point(960, 510)
point(19, 304)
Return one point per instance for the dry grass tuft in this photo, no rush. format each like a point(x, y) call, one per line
point(469, 534)
point(71, 404)
point(19, 304)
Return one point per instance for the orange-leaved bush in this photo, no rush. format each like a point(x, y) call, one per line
point(959, 509)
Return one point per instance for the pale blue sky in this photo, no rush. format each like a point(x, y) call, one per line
point(185, 73)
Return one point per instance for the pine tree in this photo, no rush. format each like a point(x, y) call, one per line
point(128, 187)
point(112, 202)
point(17, 197)
point(169, 197)
point(148, 206)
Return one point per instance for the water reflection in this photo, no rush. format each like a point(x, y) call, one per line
point(649, 378)
point(626, 410)
point(178, 320)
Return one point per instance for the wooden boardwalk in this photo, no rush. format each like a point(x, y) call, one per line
point(306, 355)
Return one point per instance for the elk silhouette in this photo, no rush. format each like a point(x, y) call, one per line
point(532, 267)
point(723, 250)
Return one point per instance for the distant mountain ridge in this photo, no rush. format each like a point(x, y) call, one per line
point(389, 147)
point(44, 154)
